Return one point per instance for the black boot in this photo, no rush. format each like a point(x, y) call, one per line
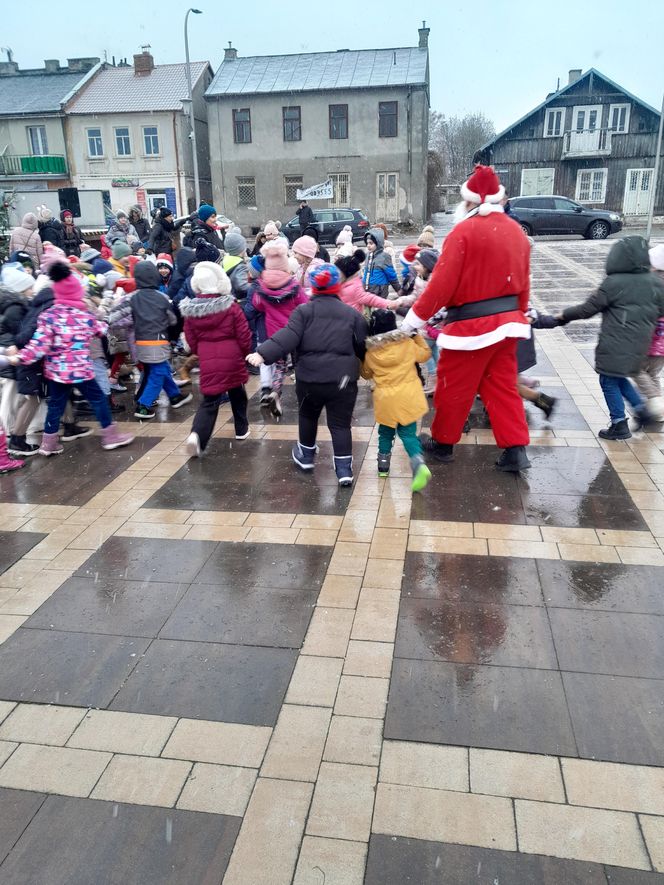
point(546, 403)
point(513, 460)
point(443, 452)
point(17, 445)
point(619, 430)
point(115, 407)
point(74, 431)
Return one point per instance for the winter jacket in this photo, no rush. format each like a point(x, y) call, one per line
point(327, 338)
point(306, 216)
point(355, 295)
point(13, 308)
point(238, 274)
point(141, 225)
point(152, 314)
point(379, 273)
point(217, 331)
point(72, 239)
point(184, 261)
point(93, 306)
point(278, 304)
point(302, 274)
point(62, 340)
point(398, 396)
point(26, 239)
point(201, 230)
point(29, 379)
point(631, 300)
point(52, 232)
point(161, 236)
point(657, 343)
point(120, 232)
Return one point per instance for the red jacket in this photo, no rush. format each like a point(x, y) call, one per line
point(216, 329)
point(483, 257)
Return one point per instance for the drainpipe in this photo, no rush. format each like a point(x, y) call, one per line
point(183, 199)
point(658, 151)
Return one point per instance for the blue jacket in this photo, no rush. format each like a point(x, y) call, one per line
point(379, 273)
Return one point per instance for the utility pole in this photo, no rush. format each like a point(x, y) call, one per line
point(658, 152)
point(192, 120)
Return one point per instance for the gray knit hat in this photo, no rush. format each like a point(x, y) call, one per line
point(235, 243)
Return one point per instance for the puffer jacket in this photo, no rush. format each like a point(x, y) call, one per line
point(379, 273)
point(161, 236)
point(657, 343)
point(238, 274)
point(398, 396)
point(62, 340)
point(201, 230)
point(278, 304)
point(119, 232)
point(71, 238)
point(355, 295)
point(217, 331)
point(327, 338)
point(152, 314)
point(29, 379)
point(183, 269)
point(13, 308)
point(631, 300)
point(26, 239)
point(52, 232)
point(141, 225)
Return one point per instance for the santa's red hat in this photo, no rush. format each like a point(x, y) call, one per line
point(483, 187)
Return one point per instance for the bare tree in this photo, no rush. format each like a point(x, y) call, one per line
point(457, 139)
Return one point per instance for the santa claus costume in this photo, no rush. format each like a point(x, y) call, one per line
point(483, 280)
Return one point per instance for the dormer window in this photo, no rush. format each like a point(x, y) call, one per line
point(619, 117)
point(553, 122)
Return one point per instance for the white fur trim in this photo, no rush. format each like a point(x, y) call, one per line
point(468, 195)
point(412, 322)
point(497, 197)
point(488, 208)
point(477, 342)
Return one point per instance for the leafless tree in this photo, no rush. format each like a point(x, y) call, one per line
point(457, 139)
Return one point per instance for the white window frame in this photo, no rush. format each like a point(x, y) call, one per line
point(619, 106)
point(115, 140)
point(146, 153)
point(101, 142)
point(538, 170)
point(552, 112)
point(605, 175)
point(42, 140)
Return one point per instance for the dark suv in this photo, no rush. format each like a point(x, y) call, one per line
point(559, 215)
point(329, 223)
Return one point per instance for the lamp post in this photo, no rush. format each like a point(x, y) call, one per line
point(192, 119)
point(655, 174)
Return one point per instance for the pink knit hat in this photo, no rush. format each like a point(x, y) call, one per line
point(306, 246)
point(271, 229)
point(67, 288)
point(277, 272)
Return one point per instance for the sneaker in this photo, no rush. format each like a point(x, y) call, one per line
point(144, 413)
point(75, 431)
point(384, 464)
point(619, 430)
point(421, 477)
point(443, 452)
point(181, 399)
point(266, 397)
point(343, 467)
point(243, 435)
point(117, 387)
point(193, 446)
point(275, 405)
point(304, 456)
point(513, 460)
point(17, 445)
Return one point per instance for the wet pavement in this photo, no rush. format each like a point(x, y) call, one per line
point(224, 670)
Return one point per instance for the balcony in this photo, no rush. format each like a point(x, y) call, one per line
point(52, 165)
point(579, 143)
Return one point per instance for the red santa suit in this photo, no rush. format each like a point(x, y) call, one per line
point(483, 279)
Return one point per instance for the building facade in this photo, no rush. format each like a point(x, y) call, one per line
point(127, 135)
point(591, 141)
point(282, 123)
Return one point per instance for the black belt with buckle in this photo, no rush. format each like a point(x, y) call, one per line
point(486, 308)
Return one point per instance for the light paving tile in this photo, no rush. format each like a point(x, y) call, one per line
point(151, 530)
point(54, 511)
point(41, 525)
point(129, 502)
point(35, 592)
point(312, 521)
point(218, 517)
point(443, 816)
point(519, 775)
point(354, 740)
point(218, 789)
point(55, 542)
point(507, 532)
point(297, 743)
point(270, 520)
point(267, 845)
point(9, 624)
point(136, 734)
point(556, 534)
point(424, 765)
point(329, 632)
point(437, 544)
point(364, 501)
point(53, 770)
point(610, 837)
point(653, 833)
point(148, 514)
point(541, 550)
point(612, 785)
point(322, 537)
point(647, 500)
point(362, 696)
point(20, 573)
point(141, 780)
point(441, 528)
point(340, 591)
point(224, 743)
point(394, 513)
point(314, 681)
point(617, 538)
point(637, 481)
point(588, 552)
point(18, 510)
point(384, 574)
point(388, 543)
point(369, 659)
point(41, 724)
point(654, 519)
point(273, 535)
point(149, 483)
point(234, 533)
point(5, 709)
point(338, 861)
point(68, 560)
point(6, 749)
point(97, 532)
point(348, 559)
point(640, 556)
point(376, 615)
point(12, 524)
point(343, 802)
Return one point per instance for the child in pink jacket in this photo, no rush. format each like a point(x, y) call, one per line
point(648, 378)
point(353, 292)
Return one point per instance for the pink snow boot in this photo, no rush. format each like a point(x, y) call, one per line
point(111, 438)
point(7, 464)
point(50, 445)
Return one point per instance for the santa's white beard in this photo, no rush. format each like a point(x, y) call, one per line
point(463, 210)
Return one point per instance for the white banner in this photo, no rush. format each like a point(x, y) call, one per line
point(322, 191)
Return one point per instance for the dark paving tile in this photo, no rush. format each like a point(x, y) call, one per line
point(266, 565)
point(583, 511)
point(609, 586)
point(122, 608)
point(82, 841)
point(616, 718)
point(17, 810)
point(230, 683)
point(14, 545)
point(479, 706)
point(481, 579)
point(277, 618)
point(395, 860)
point(79, 669)
point(75, 476)
point(615, 643)
point(363, 415)
point(147, 559)
point(509, 635)
point(622, 876)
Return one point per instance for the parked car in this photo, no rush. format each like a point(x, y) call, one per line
point(560, 215)
point(329, 222)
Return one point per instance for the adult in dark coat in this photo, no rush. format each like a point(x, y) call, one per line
point(71, 234)
point(14, 304)
point(163, 231)
point(305, 215)
point(50, 229)
point(204, 226)
point(141, 224)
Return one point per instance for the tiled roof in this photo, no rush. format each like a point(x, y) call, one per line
point(346, 69)
point(118, 90)
point(36, 93)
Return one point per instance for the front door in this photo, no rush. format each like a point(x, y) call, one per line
point(387, 196)
point(638, 191)
point(585, 134)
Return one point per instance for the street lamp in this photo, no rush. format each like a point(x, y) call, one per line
point(192, 119)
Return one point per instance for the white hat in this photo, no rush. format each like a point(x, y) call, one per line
point(15, 280)
point(210, 278)
point(657, 256)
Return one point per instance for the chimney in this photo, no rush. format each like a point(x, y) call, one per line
point(424, 35)
point(51, 65)
point(230, 54)
point(81, 65)
point(7, 68)
point(574, 75)
point(143, 63)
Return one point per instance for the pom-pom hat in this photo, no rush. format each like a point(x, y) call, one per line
point(165, 258)
point(483, 187)
point(210, 279)
point(656, 255)
point(325, 280)
point(409, 254)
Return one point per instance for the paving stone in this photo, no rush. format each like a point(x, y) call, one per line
point(53, 769)
point(598, 586)
point(520, 775)
point(218, 789)
point(361, 696)
point(376, 615)
point(140, 780)
point(9, 624)
point(354, 740)
point(41, 724)
point(383, 574)
point(339, 861)
point(6, 749)
point(149, 559)
point(369, 659)
point(343, 802)
point(265, 565)
point(5, 709)
point(224, 743)
point(132, 733)
point(297, 743)
point(608, 785)
point(339, 591)
point(653, 833)
point(315, 681)
point(329, 632)
point(424, 765)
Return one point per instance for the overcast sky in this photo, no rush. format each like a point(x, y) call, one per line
point(501, 57)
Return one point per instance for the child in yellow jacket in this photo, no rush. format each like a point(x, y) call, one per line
point(399, 399)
